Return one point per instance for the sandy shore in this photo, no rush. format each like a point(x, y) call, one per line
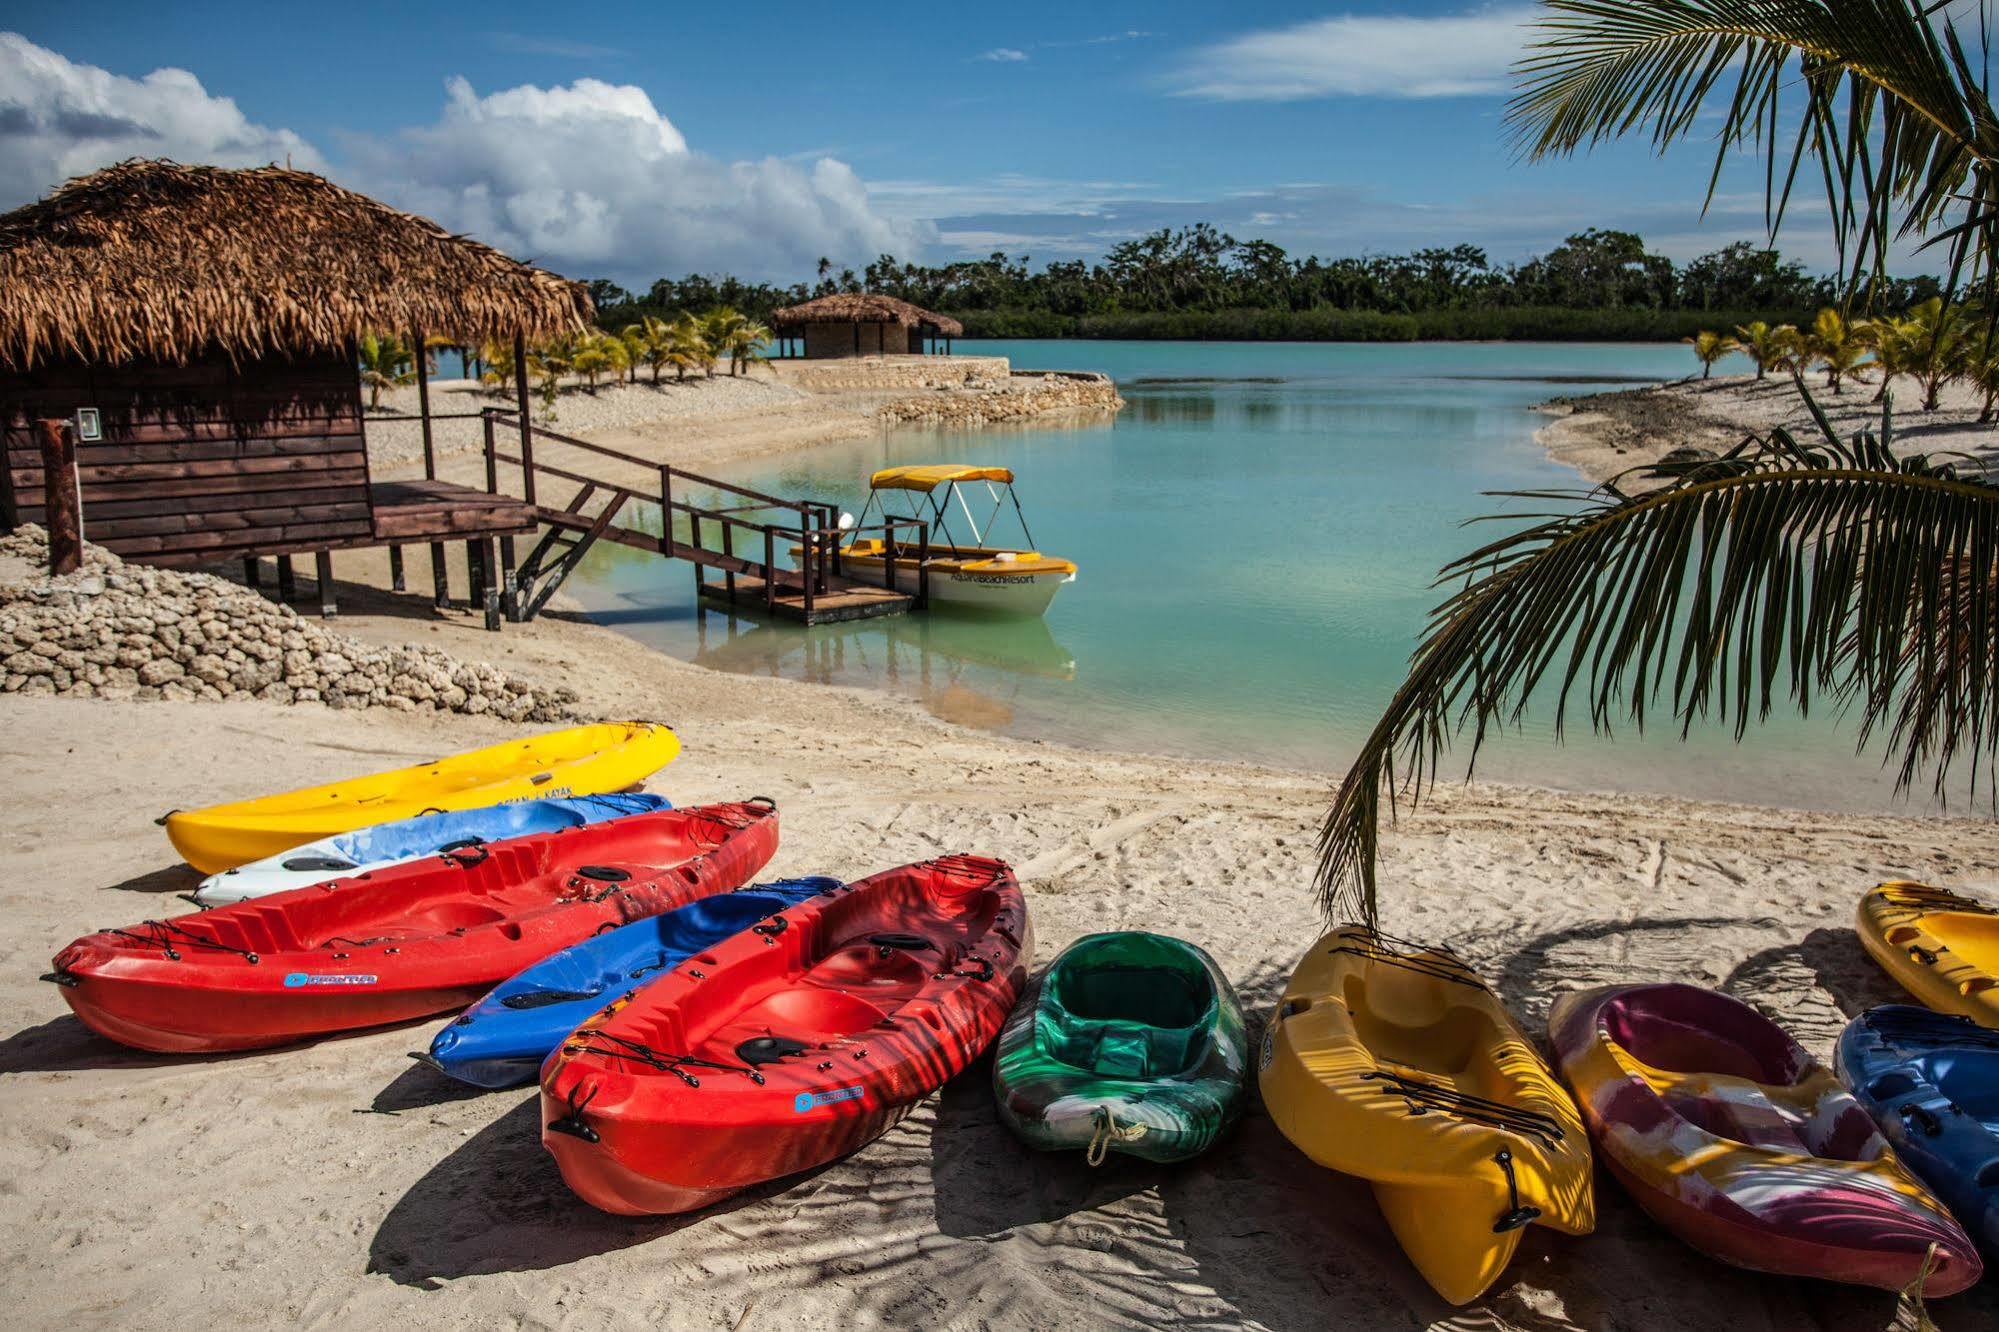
point(338, 1184)
point(1610, 434)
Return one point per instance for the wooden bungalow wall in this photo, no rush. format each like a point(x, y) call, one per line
point(202, 462)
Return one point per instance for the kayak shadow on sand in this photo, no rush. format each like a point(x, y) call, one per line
point(498, 1204)
point(65, 1045)
point(176, 878)
point(418, 1087)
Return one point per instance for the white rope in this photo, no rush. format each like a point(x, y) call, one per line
point(1106, 1131)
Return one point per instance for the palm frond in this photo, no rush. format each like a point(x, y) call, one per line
point(1813, 570)
point(1885, 95)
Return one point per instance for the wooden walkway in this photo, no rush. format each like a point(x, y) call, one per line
point(738, 537)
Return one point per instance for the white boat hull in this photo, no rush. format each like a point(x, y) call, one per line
point(1026, 594)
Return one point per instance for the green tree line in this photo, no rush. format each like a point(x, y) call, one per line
point(1199, 282)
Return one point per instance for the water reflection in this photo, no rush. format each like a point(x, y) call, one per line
point(965, 670)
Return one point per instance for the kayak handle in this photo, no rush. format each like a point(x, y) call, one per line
point(765, 801)
point(984, 973)
point(1516, 1216)
point(771, 928)
point(69, 980)
point(574, 1127)
point(1918, 953)
point(161, 821)
point(906, 943)
point(1925, 1119)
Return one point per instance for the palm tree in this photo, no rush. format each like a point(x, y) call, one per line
point(1710, 347)
point(1938, 341)
point(596, 354)
point(687, 346)
point(385, 363)
point(718, 326)
point(1887, 95)
point(1835, 344)
point(1981, 366)
point(1887, 338)
point(1770, 348)
point(551, 361)
point(638, 340)
point(744, 342)
point(1833, 570)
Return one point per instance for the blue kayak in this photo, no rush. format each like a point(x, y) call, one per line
point(1931, 1081)
point(501, 1040)
point(411, 839)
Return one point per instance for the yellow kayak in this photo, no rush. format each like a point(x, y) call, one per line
point(1401, 1067)
point(583, 760)
point(1941, 947)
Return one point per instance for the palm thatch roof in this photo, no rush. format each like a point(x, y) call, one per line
point(863, 308)
point(156, 260)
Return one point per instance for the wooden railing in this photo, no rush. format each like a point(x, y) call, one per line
point(761, 520)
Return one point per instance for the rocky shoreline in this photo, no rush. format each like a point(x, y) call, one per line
point(124, 631)
point(1023, 393)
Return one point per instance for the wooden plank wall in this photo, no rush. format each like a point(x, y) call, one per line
point(203, 462)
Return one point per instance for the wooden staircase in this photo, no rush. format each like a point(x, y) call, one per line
point(819, 590)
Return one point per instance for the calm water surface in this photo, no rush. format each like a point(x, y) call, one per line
point(1257, 534)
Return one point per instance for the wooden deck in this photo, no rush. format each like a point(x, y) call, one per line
point(849, 603)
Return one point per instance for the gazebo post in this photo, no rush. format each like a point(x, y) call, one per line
point(510, 593)
point(62, 507)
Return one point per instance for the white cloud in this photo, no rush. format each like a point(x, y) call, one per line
point(591, 179)
point(60, 119)
point(1004, 55)
point(588, 178)
point(1367, 55)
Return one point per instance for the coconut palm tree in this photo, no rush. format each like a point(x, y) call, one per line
point(597, 354)
point(550, 362)
point(1835, 345)
point(744, 342)
point(638, 340)
point(385, 363)
point(1938, 338)
point(687, 346)
point(1824, 570)
point(1981, 366)
point(718, 327)
point(1710, 347)
point(1770, 348)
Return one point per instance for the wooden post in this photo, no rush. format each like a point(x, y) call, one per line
point(62, 504)
point(322, 571)
point(252, 571)
point(666, 511)
point(488, 558)
point(397, 583)
point(923, 566)
point(492, 460)
point(729, 549)
point(423, 406)
point(287, 580)
point(811, 557)
point(770, 569)
point(694, 543)
point(440, 576)
point(527, 435)
point(510, 592)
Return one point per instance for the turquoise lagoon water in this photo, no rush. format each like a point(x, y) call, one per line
point(1257, 534)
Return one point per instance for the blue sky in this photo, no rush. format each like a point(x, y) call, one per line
point(662, 138)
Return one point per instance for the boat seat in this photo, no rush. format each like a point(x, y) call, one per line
point(1740, 1110)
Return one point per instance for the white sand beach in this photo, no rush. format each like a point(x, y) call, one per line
point(340, 1184)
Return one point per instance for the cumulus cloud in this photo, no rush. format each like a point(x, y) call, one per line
point(592, 179)
point(60, 119)
point(1450, 55)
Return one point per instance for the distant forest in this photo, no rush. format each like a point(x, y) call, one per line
point(1198, 282)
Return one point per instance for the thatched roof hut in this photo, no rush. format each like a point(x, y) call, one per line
point(155, 261)
point(864, 308)
point(863, 324)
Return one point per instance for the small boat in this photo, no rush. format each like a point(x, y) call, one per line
point(388, 844)
point(502, 1040)
point(583, 760)
point(1739, 1142)
point(1940, 946)
point(1931, 1082)
point(1394, 1062)
point(403, 942)
point(977, 575)
point(790, 1045)
point(1129, 1042)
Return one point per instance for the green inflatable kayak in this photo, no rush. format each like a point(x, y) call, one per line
point(1129, 1042)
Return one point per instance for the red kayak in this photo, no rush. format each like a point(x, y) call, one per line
point(404, 941)
point(791, 1044)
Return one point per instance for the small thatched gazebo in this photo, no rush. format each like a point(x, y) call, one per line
point(862, 324)
point(199, 327)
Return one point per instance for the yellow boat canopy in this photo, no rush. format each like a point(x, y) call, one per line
point(932, 475)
